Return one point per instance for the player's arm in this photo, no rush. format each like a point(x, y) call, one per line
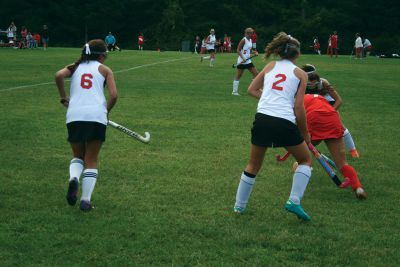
point(256, 87)
point(239, 50)
point(333, 93)
point(60, 77)
point(112, 87)
point(299, 109)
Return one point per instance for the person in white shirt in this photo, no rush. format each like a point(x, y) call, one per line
point(280, 121)
point(87, 116)
point(358, 45)
point(367, 47)
point(244, 50)
point(210, 46)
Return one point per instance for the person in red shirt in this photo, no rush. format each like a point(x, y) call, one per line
point(37, 39)
point(140, 41)
point(334, 44)
point(324, 124)
point(227, 43)
point(316, 45)
point(254, 39)
point(329, 49)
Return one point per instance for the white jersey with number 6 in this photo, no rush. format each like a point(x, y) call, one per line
point(280, 88)
point(246, 51)
point(87, 101)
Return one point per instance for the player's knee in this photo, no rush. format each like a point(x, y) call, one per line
point(305, 160)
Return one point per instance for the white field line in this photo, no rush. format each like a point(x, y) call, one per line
point(118, 71)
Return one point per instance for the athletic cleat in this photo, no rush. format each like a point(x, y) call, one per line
point(360, 193)
point(354, 153)
point(238, 210)
point(85, 205)
point(233, 93)
point(297, 209)
point(346, 183)
point(72, 191)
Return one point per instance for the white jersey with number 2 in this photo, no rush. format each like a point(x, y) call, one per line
point(280, 88)
point(87, 101)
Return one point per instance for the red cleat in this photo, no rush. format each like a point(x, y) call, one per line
point(354, 153)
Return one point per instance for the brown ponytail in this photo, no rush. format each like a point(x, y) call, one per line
point(283, 45)
point(97, 49)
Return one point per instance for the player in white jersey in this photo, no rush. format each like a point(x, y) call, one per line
point(280, 121)
point(87, 116)
point(210, 46)
point(321, 86)
point(244, 50)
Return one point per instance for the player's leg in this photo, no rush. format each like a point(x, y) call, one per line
point(253, 71)
point(212, 59)
point(236, 81)
point(337, 149)
point(75, 171)
point(248, 177)
point(90, 173)
point(350, 145)
point(301, 178)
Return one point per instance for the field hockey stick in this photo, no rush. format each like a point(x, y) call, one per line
point(144, 139)
point(279, 158)
point(235, 65)
point(325, 165)
point(286, 156)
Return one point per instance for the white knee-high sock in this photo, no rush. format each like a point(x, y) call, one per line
point(212, 61)
point(235, 86)
point(75, 168)
point(247, 181)
point(206, 57)
point(300, 180)
point(88, 183)
point(348, 140)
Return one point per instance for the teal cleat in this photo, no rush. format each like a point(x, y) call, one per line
point(238, 210)
point(297, 209)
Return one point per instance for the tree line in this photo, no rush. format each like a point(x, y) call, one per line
point(165, 23)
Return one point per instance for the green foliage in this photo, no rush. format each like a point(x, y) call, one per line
point(169, 203)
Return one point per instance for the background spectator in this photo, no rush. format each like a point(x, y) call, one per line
point(111, 42)
point(24, 33)
point(37, 39)
point(45, 37)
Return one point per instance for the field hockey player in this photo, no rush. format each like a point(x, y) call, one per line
point(280, 121)
point(244, 51)
point(321, 86)
point(86, 116)
point(324, 124)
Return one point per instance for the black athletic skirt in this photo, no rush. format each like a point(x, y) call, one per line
point(86, 131)
point(245, 66)
point(211, 50)
point(269, 131)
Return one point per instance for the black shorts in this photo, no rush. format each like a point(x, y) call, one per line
point(269, 131)
point(245, 66)
point(86, 131)
point(211, 50)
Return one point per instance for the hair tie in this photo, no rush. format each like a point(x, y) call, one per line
point(87, 49)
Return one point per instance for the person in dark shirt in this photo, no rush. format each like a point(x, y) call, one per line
point(45, 37)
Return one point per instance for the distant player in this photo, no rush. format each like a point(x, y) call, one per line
point(334, 44)
point(87, 116)
point(210, 46)
point(316, 46)
point(321, 86)
point(140, 41)
point(254, 40)
point(324, 125)
point(280, 121)
point(244, 50)
point(227, 43)
point(329, 49)
point(358, 46)
point(197, 45)
point(367, 47)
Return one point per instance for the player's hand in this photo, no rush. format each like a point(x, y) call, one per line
point(64, 102)
point(307, 138)
point(255, 53)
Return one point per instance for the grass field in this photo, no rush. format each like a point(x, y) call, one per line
point(169, 203)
